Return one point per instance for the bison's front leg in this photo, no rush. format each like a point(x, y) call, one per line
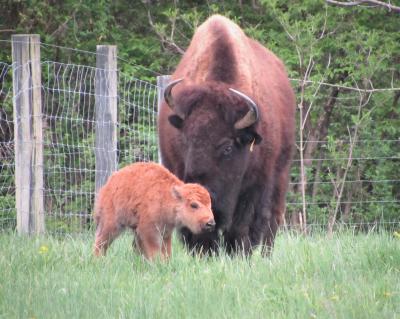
point(269, 236)
point(275, 210)
point(275, 216)
point(167, 247)
point(205, 243)
point(237, 239)
point(264, 224)
point(149, 241)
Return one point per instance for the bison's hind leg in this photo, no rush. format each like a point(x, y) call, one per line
point(106, 232)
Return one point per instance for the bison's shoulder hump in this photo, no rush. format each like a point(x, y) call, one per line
point(219, 23)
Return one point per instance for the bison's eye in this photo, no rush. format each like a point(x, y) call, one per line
point(225, 147)
point(194, 205)
point(227, 150)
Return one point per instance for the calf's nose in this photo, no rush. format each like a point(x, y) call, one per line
point(210, 224)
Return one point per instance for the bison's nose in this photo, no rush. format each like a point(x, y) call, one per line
point(209, 225)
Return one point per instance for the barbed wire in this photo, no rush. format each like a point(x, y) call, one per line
point(346, 158)
point(357, 89)
point(350, 88)
point(349, 224)
point(341, 141)
point(47, 45)
point(355, 181)
point(326, 203)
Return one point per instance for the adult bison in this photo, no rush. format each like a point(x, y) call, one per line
point(227, 122)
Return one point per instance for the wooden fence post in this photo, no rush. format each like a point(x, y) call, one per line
point(162, 82)
point(106, 113)
point(27, 103)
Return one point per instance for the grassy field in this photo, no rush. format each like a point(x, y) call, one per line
point(350, 276)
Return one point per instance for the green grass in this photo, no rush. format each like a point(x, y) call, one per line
point(350, 276)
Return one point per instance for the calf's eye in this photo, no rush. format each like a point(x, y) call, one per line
point(194, 205)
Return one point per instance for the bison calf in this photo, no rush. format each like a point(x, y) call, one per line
point(151, 201)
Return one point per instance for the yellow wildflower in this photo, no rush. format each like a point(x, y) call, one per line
point(43, 249)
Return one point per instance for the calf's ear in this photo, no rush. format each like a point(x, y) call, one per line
point(175, 121)
point(177, 192)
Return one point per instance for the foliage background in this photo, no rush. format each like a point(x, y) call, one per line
point(350, 47)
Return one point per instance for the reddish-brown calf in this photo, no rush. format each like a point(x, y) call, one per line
point(151, 201)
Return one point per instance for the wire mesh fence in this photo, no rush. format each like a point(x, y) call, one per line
point(69, 142)
point(353, 173)
point(69, 124)
point(7, 154)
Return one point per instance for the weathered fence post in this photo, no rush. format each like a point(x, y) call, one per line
point(162, 82)
point(27, 103)
point(106, 113)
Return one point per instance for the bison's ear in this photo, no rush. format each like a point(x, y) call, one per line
point(257, 138)
point(249, 137)
point(177, 192)
point(176, 121)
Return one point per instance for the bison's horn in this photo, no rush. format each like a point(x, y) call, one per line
point(167, 93)
point(251, 116)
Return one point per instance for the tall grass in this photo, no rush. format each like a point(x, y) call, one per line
point(349, 276)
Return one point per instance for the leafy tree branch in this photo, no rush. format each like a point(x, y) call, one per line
point(369, 3)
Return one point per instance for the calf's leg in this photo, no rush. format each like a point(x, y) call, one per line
point(149, 241)
point(106, 232)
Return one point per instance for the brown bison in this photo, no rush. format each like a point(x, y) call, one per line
point(151, 201)
point(228, 123)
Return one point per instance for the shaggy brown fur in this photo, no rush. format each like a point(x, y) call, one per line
point(246, 170)
point(151, 201)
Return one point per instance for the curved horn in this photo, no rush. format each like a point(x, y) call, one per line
point(168, 95)
point(251, 116)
